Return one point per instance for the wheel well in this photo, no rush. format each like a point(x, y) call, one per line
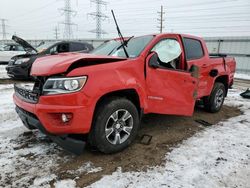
point(129, 94)
point(223, 80)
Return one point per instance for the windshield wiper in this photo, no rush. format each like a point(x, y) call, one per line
point(123, 43)
point(126, 43)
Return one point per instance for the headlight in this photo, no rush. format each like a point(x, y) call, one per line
point(63, 85)
point(20, 61)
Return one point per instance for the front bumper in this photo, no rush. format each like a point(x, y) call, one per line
point(49, 109)
point(45, 113)
point(17, 72)
point(32, 122)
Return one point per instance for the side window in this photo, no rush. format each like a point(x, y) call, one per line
point(193, 48)
point(64, 47)
point(52, 50)
point(20, 48)
point(13, 48)
point(7, 48)
point(78, 47)
point(169, 51)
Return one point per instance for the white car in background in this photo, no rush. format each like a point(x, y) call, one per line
point(7, 51)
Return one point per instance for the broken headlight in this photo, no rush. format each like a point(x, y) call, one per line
point(63, 85)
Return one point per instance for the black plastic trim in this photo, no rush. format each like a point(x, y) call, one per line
point(32, 122)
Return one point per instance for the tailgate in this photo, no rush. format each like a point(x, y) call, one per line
point(231, 64)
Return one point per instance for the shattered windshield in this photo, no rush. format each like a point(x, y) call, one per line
point(114, 48)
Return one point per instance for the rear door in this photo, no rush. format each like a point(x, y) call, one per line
point(170, 90)
point(196, 55)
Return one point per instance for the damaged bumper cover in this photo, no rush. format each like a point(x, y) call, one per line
point(32, 122)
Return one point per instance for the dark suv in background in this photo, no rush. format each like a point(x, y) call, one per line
point(19, 66)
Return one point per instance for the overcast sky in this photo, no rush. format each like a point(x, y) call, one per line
point(36, 19)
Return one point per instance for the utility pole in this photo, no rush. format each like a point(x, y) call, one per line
point(161, 20)
point(99, 17)
point(3, 24)
point(68, 13)
point(56, 33)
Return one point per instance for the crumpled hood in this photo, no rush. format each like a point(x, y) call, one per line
point(56, 64)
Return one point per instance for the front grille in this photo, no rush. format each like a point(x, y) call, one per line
point(38, 86)
point(31, 94)
point(26, 94)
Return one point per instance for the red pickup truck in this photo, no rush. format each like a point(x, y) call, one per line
point(100, 97)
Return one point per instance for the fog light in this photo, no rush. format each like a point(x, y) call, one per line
point(66, 117)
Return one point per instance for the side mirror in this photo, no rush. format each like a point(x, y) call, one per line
point(194, 70)
point(153, 60)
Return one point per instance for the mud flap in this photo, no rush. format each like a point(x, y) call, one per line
point(246, 94)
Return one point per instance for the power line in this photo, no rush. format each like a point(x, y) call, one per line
point(34, 10)
point(161, 19)
point(177, 6)
point(99, 17)
point(199, 21)
point(177, 10)
point(3, 24)
point(68, 13)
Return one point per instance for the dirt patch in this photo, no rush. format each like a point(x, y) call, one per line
point(166, 132)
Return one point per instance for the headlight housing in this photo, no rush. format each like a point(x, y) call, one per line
point(63, 85)
point(20, 61)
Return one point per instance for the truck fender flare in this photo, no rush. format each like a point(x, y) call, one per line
point(125, 92)
point(222, 79)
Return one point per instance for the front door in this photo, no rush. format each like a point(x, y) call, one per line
point(169, 89)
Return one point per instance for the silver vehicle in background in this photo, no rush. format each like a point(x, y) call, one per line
point(7, 51)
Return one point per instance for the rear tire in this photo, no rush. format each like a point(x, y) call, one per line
point(115, 125)
point(214, 102)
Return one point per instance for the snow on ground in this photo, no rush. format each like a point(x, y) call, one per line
point(3, 72)
point(65, 184)
point(219, 156)
point(27, 159)
point(242, 76)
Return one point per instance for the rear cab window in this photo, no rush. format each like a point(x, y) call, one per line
point(193, 48)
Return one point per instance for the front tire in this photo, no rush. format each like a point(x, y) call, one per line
point(214, 102)
point(115, 125)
